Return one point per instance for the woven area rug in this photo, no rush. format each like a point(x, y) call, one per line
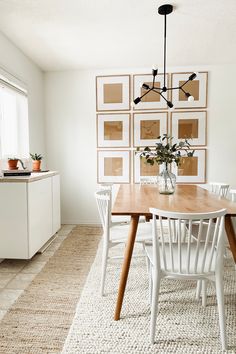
point(183, 325)
point(39, 321)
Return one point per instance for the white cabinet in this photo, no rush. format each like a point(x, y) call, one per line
point(29, 214)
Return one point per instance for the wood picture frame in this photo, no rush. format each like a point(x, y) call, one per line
point(197, 88)
point(152, 100)
point(113, 166)
point(192, 169)
point(113, 93)
point(113, 130)
point(190, 125)
point(148, 126)
point(143, 169)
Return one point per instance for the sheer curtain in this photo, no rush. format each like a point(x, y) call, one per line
point(14, 126)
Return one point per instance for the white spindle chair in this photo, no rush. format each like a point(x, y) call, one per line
point(114, 233)
point(115, 219)
point(233, 194)
point(219, 188)
point(189, 259)
point(148, 180)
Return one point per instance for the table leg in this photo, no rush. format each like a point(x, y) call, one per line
point(231, 235)
point(126, 264)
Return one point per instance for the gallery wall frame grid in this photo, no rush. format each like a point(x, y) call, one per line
point(113, 93)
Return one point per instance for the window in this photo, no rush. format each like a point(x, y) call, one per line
point(14, 126)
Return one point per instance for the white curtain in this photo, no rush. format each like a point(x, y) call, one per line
point(14, 126)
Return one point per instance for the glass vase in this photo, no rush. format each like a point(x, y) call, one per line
point(166, 181)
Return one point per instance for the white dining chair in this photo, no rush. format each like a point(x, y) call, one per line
point(115, 219)
point(219, 188)
point(148, 180)
point(189, 260)
point(233, 194)
point(113, 233)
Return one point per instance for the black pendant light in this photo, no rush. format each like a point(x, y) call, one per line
point(165, 10)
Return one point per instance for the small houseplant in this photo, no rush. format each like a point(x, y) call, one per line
point(13, 161)
point(164, 154)
point(37, 158)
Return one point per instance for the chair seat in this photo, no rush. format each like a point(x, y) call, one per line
point(175, 256)
point(119, 233)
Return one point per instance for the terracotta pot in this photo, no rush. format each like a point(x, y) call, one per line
point(36, 165)
point(12, 164)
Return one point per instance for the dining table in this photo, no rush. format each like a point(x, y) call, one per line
point(134, 200)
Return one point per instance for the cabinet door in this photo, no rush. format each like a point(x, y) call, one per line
point(13, 221)
point(56, 204)
point(39, 213)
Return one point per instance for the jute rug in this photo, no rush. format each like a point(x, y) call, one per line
point(40, 319)
point(183, 325)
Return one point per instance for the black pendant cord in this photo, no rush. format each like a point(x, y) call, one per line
point(165, 52)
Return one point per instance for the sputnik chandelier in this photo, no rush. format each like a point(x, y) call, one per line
point(165, 10)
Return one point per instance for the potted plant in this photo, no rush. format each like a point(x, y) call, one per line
point(164, 154)
point(37, 158)
point(12, 163)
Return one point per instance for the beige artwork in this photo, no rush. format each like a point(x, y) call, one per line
point(188, 166)
point(113, 166)
point(147, 169)
point(188, 128)
point(113, 130)
point(151, 96)
point(113, 93)
point(149, 129)
point(191, 87)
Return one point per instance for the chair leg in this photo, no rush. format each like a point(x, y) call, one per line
point(204, 295)
point(198, 290)
point(221, 309)
point(150, 284)
point(154, 304)
point(104, 267)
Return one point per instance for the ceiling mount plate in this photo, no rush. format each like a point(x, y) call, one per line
point(165, 9)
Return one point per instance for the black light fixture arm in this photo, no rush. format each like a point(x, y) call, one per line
point(165, 10)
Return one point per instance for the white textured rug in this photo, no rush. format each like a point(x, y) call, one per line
point(183, 326)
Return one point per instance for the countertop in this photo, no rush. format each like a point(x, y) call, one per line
point(35, 176)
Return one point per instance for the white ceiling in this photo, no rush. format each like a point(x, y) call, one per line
point(75, 34)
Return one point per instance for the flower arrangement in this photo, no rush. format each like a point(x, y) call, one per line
point(165, 152)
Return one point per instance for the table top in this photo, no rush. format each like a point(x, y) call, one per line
point(135, 199)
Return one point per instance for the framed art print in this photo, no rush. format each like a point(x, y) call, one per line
point(196, 88)
point(113, 93)
point(191, 125)
point(113, 130)
point(191, 169)
point(143, 169)
point(148, 126)
point(113, 166)
point(152, 100)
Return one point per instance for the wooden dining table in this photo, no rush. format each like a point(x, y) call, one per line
point(135, 200)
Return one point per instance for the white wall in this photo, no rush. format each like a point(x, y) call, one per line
point(17, 64)
point(71, 133)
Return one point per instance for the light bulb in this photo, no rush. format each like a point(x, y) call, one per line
point(140, 84)
point(190, 98)
point(154, 67)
